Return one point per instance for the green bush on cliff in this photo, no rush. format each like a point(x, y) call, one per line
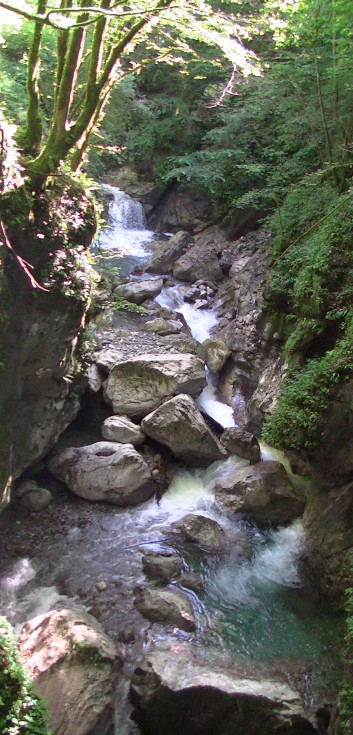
point(346, 694)
point(311, 282)
point(21, 710)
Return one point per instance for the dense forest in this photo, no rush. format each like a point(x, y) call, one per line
point(245, 106)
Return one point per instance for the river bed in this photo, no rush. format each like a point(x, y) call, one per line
point(256, 608)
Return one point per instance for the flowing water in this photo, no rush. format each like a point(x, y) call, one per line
point(254, 608)
point(124, 241)
point(200, 322)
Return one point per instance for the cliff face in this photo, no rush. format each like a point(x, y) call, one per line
point(39, 330)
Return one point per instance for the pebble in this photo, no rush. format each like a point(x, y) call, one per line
point(101, 586)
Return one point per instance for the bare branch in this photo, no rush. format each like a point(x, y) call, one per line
point(24, 265)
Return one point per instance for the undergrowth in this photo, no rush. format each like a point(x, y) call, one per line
point(21, 711)
point(311, 283)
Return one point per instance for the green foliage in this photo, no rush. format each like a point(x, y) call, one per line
point(21, 710)
point(312, 281)
point(346, 693)
point(298, 420)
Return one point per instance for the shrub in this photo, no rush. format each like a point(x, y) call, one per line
point(21, 710)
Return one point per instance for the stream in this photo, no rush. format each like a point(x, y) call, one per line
point(255, 608)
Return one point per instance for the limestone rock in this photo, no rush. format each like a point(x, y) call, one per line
point(164, 326)
point(26, 487)
point(240, 442)
point(95, 379)
point(37, 500)
point(329, 530)
point(167, 606)
point(201, 530)
point(105, 471)
point(140, 290)
point(263, 492)
point(196, 264)
point(167, 253)
point(179, 425)
point(173, 694)
point(217, 354)
point(72, 662)
point(192, 581)
point(122, 429)
point(136, 386)
point(162, 568)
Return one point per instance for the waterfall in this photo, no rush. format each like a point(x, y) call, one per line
point(126, 230)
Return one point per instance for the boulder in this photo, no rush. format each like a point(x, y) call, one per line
point(73, 664)
point(179, 425)
point(122, 429)
point(164, 326)
point(136, 386)
point(95, 379)
point(166, 606)
point(163, 259)
point(26, 487)
point(140, 290)
point(197, 264)
point(192, 581)
point(240, 442)
point(162, 568)
point(37, 499)
point(173, 694)
point(105, 471)
point(201, 530)
point(217, 354)
point(263, 492)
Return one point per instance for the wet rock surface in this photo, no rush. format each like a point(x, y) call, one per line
point(178, 424)
point(115, 473)
point(166, 606)
point(217, 354)
point(73, 664)
point(201, 530)
point(263, 492)
point(162, 568)
point(240, 442)
point(172, 695)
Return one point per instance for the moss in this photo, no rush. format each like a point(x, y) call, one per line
point(21, 710)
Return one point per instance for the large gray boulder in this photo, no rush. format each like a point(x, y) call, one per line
point(105, 471)
point(139, 290)
point(166, 606)
point(122, 429)
point(173, 694)
point(217, 354)
point(163, 259)
point(136, 386)
point(179, 425)
point(263, 492)
point(241, 442)
point(164, 326)
point(73, 664)
point(196, 528)
point(197, 264)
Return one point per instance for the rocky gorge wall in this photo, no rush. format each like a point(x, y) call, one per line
point(41, 329)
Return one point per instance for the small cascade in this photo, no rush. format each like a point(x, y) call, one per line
point(200, 322)
point(126, 234)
